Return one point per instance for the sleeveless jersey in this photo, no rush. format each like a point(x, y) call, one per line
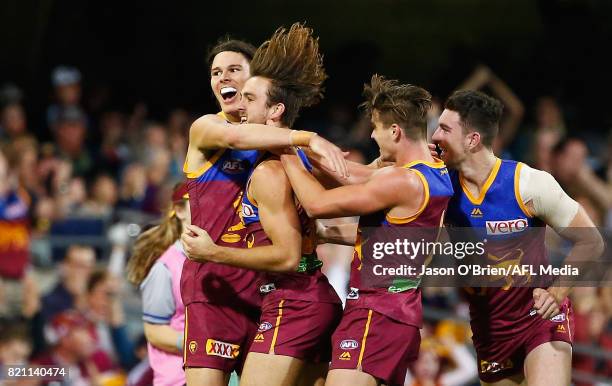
point(215, 191)
point(308, 283)
point(514, 237)
point(402, 300)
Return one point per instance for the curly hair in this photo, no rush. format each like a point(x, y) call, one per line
point(294, 66)
point(402, 104)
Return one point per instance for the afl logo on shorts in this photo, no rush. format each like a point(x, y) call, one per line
point(349, 344)
point(247, 211)
point(265, 326)
point(558, 318)
point(193, 346)
point(233, 166)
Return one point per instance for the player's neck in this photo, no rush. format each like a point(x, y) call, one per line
point(477, 167)
point(232, 117)
point(413, 151)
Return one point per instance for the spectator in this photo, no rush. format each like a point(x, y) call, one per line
point(18, 289)
point(156, 265)
point(113, 152)
point(105, 311)
point(70, 130)
point(15, 345)
point(12, 122)
point(133, 187)
point(73, 344)
point(102, 199)
point(70, 292)
point(67, 88)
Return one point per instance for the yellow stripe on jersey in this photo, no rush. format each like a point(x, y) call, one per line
point(406, 220)
point(363, 340)
point(486, 186)
point(517, 191)
point(185, 337)
point(278, 321)
point(204, 168)
point(438, 164)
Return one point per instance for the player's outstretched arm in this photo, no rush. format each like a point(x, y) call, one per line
point(212, 132)
point(386, 188)
point(272, 192)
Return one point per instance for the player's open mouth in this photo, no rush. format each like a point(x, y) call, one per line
point(228, 93)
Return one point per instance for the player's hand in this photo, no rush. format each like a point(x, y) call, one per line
point(197, 244)
point(546, 302)
point(433, 149)
point(332, 156)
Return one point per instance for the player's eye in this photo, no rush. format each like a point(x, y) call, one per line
point(215, 73)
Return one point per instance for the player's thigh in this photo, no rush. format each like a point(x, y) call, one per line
point(201, 376)
point(313, 374)
point(549, 364)
point(345, 377)
point(270, 370)
point(515, 380)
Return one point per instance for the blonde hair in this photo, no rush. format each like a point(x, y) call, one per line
point(152, 243)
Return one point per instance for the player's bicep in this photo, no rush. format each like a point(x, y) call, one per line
point(210, 132)
point(355, 200)
point(550, 202)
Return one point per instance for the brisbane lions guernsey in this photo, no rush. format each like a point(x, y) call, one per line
point(307, 283)
point(401, 300)
point(215, 193)
point(502, 308)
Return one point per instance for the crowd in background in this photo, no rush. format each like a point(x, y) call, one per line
point(75, 192)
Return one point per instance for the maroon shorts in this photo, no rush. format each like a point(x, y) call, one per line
point(217, 336)
point(500, 359)
point(370, 342)
point(298, 329)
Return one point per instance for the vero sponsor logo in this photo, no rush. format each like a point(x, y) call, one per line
point(506, 227)
point(349, 344)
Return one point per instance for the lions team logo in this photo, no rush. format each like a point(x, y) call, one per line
point(193, 346)
point(233, 166)
point(265, 326)
point(349, 344)
point(247, 211)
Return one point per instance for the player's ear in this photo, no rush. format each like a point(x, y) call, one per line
point(276, 111)
point(474, 139)
point(396, 131)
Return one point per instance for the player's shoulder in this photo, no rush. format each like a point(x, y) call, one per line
point(402, 178)
point(269, 172)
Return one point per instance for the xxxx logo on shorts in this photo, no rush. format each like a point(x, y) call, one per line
point(222, 349)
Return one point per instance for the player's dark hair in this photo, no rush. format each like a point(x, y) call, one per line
point(478, 111)
point(226, 44)
point(294, 66)
point(403, 104)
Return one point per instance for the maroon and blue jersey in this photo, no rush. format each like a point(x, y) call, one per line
point(307, 283)
point(513, 237)
point(215, 193)
point(401, 300)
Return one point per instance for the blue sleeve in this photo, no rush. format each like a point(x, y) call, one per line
point(157, 298)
